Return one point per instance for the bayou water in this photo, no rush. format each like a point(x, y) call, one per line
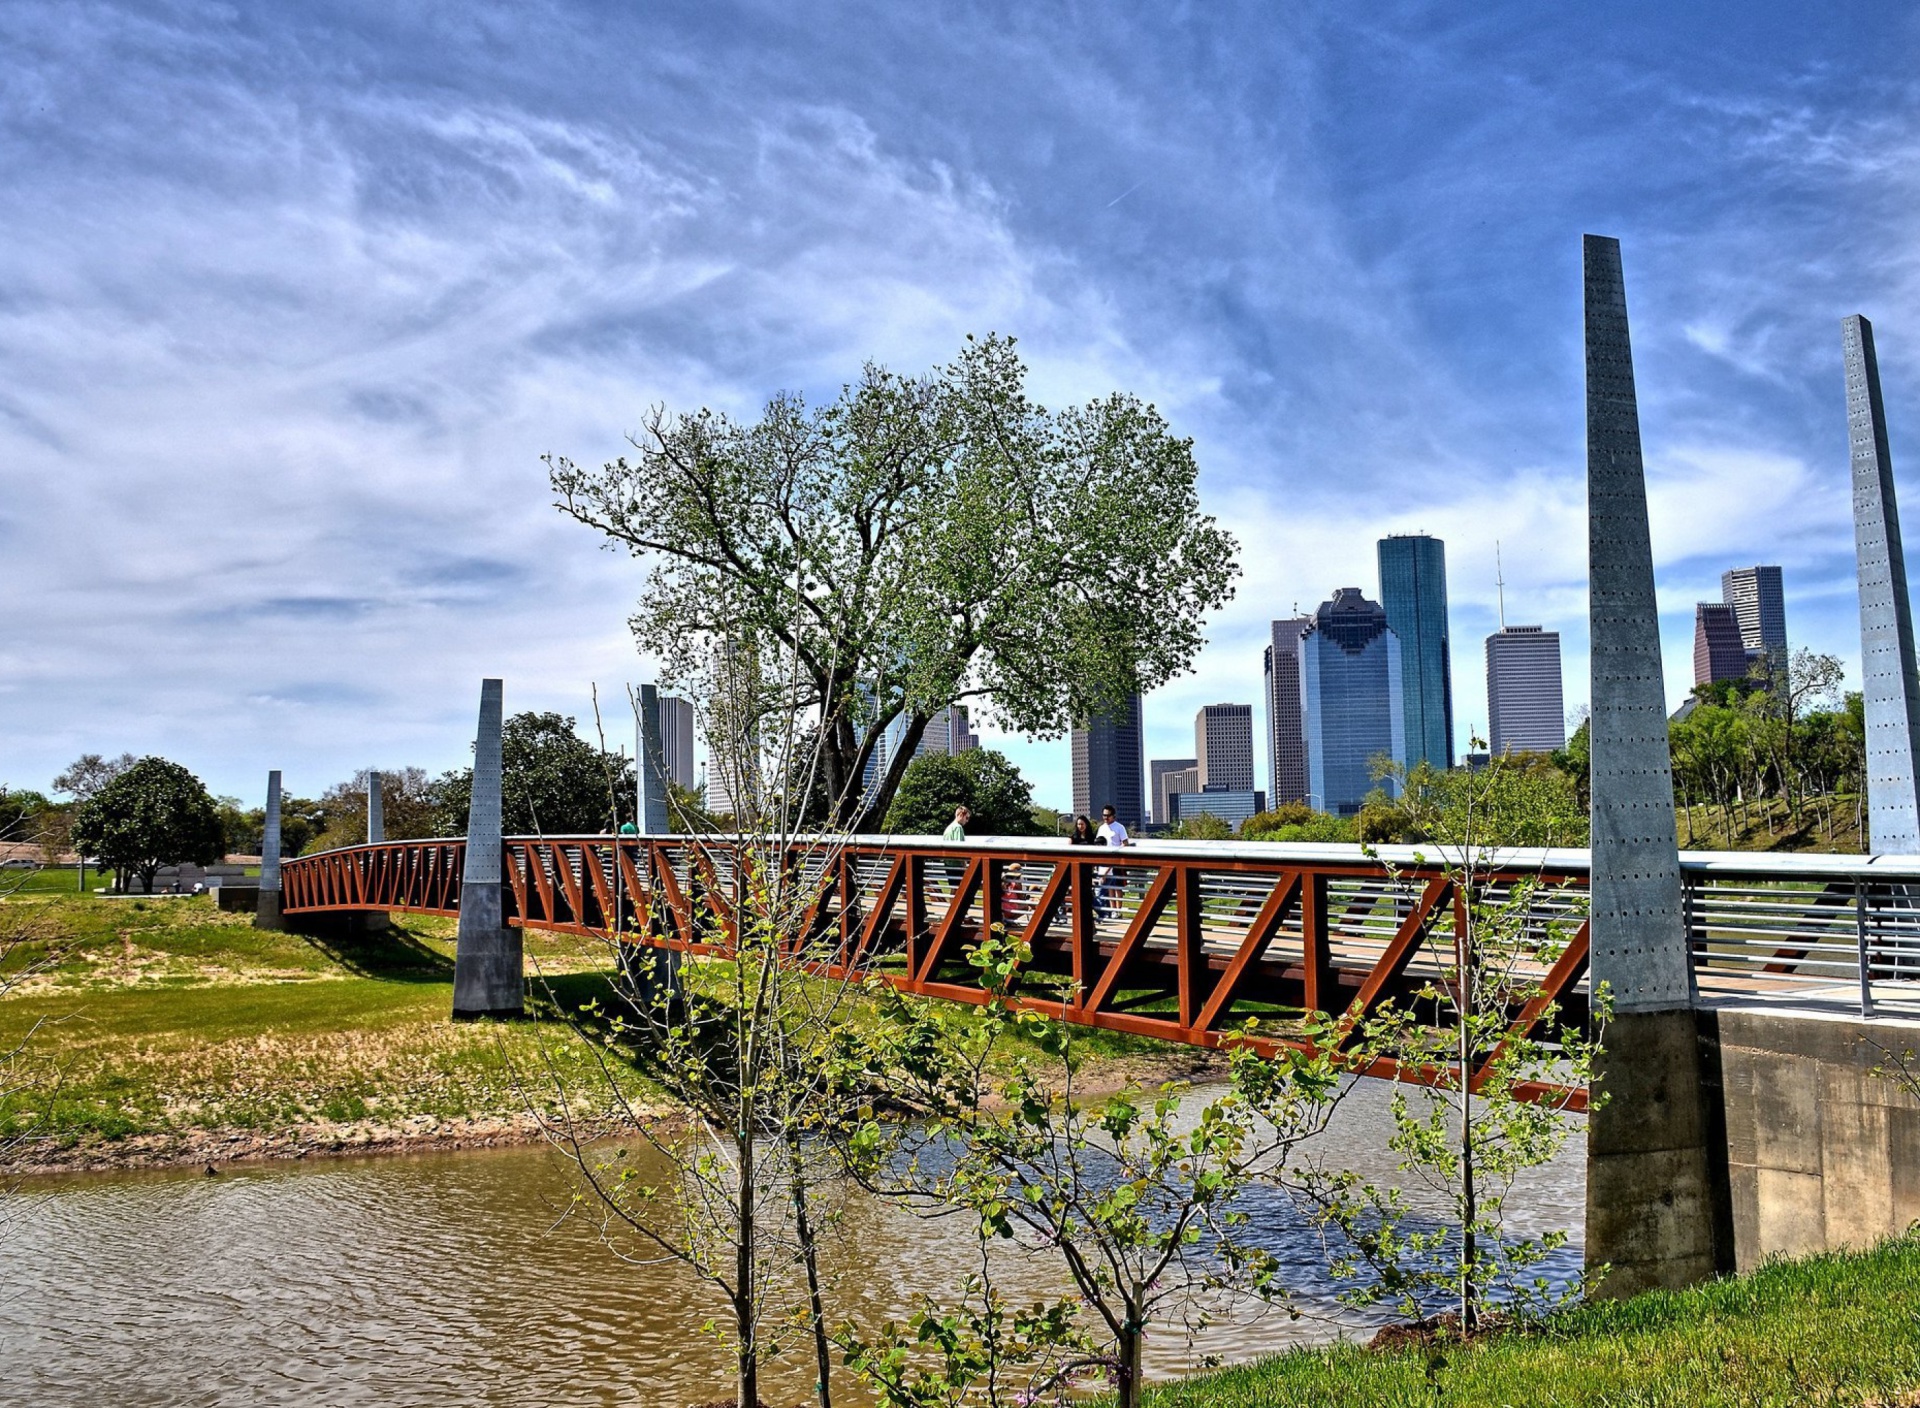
point(455, 1279)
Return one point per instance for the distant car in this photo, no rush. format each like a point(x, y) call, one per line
point(16, 863)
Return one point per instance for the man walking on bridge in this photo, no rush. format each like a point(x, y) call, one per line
point(1113, 832)
point(957, 828)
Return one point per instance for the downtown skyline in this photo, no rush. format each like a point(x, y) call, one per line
point(276, 502)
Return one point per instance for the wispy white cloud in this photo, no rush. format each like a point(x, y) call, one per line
point(286, 323)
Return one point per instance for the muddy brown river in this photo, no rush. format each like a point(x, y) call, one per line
point(453, 1279)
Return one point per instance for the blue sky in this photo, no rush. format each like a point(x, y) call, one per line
point(292, 299)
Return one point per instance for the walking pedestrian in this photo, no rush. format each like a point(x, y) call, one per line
point(1113, 833)
point(957, 828)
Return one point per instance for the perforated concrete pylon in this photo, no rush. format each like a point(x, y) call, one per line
point(487, 964)
point(376, 821)
point(1651, 1205)
point(1887, 665)
point(266, 910)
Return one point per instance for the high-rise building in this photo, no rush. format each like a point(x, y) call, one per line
point(1352, 701)
point(1286, 741)
point(1166, 776)
point(1223, 739)
point(1719, 652)
point(1109, 767)
point(1413, 589)
point(947, 733)
point(960, 735)
point(676, 739)
point(1525, 710)
point(1758, 601)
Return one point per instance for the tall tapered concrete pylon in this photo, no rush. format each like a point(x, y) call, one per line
point(266, 910)
point(376, 821)
point(1887, 664)
point(487, 963)
point(1650, 1202)
point(653, 765)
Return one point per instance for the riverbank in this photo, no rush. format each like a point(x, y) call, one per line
point(1841, 1329)
point(156, 1033)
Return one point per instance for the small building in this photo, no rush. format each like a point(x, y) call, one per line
point(1231, 807)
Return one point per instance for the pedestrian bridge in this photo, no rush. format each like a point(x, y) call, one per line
point(1182, 941)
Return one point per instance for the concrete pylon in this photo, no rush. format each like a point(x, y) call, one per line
point(653, 765)
point(1887, 664)
point(487, 963)
point(1651, 1202)
point(266, 909)
point(376, 822)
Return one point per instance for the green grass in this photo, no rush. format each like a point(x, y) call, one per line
point(1835, 1329)
point(48, 880)
point(166, 1016)
point(1765, 825)
point(160, 1017)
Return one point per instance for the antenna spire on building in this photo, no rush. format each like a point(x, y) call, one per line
point(1500, 583)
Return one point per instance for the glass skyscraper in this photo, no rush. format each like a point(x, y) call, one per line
point(1352, 705)
point(1760, 605)
point(1413, 589)
point(1109, 765)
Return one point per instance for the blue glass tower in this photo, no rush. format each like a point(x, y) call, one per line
point(1413, 589)
point(1351, 701)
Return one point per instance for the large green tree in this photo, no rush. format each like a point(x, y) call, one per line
point(153, 813)
point(981, 779)
point(552, 783)
point(916, 541)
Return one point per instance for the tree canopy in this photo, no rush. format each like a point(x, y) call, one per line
point(552, 782)
point(982, 780)
point(917, 541)
point(151, 814)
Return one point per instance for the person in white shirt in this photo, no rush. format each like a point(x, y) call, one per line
point(1113, 832)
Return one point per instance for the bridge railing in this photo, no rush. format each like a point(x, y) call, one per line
point(1184, 941)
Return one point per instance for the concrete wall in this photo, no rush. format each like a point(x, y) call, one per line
point(1821, 1153)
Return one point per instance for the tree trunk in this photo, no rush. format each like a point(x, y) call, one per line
point(745, 1321)
point(1127, 1366)
point(809, 1252)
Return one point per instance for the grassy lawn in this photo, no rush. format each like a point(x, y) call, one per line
point(1838, 1329)
point(164, 1016)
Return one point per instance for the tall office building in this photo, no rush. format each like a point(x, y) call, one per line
point(676, 739)
point(1166, 776)
point(1413, 589)
point(1719, 652)
point(1758, 601)
point(960, 735)
point(1223, 738)
point(948, 733)
point(1525, 709)
point(1109, 764)
point(1286, 742)
point(1352, 701)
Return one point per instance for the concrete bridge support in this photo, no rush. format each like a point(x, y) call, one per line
point(653, 765)
point(487, 965)
point(1887, 659)
point(376, 821)
point(266, 912)
point(1654, 1207)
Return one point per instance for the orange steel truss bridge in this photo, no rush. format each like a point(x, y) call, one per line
point(1179, 941)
